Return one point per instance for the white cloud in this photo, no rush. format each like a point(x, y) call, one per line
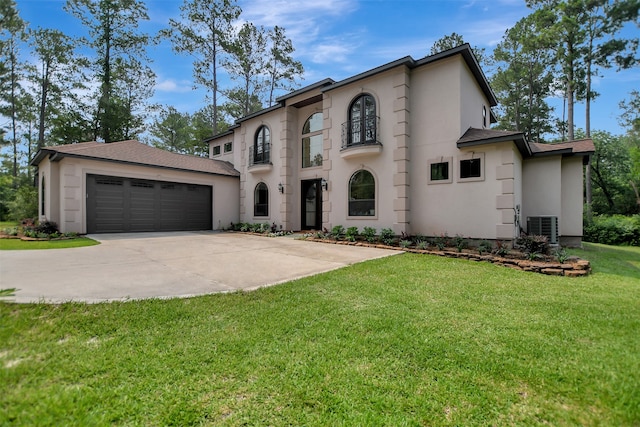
point(171, 85)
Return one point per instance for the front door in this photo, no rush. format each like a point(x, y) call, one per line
point(311, 205)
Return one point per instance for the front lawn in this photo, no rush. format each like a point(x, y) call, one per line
point(17, 244)
point(405, 340)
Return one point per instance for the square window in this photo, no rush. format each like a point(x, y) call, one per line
point(216, 150)
point(227, 147)
point(470, 168)
point(440, 171)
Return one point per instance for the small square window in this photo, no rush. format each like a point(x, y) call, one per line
point(228, 147)
point(470, 168)
point(216, 150)
point(440, 171)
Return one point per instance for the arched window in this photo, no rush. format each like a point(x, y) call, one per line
point(262, 147)
point(362, 194)
point(261, 200)
point(362, 120)
point(312, 141)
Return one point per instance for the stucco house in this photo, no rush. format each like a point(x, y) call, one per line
point(405, 146)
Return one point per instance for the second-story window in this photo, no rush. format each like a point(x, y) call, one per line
point(312, 141)
point(362, 120)
point(262, 146)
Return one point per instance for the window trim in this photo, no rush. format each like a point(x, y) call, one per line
point(213, 150)
point(255, 200)
point(430, 162)
point(230, 145)
point(310, 135)
point(471, 156)
point(375, 196)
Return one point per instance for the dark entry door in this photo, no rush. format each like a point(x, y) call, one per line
point(311, 205)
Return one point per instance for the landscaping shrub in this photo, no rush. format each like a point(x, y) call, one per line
point(46, 227)
point(534, 244)
point(387, 236)
point(369, 234)
point(337, 232)
point(614, 230)
point(352, 233)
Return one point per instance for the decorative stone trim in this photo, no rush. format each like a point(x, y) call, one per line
point(571, 268)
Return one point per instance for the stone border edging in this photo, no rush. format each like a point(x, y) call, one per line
point(572, 268)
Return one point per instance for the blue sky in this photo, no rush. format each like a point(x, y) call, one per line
point(340, 38)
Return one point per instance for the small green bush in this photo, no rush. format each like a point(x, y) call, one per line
point(369, 234)
point(337, 232)
point(484, 246)
point(405, 243)
point(387, 236)
point(614, 230)
point(351, 234)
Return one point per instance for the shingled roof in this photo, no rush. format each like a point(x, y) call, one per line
point(136, 153)
point(473, 136)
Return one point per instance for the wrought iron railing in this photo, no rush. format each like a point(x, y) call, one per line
point(260, 154)
point(360, 132)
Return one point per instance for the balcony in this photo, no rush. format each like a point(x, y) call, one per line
point(260, 158)
point(360, 138)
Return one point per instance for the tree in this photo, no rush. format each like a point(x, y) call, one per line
point(202, 33)
point(53, 77)
point(567, 32)
point(281, 68)
point(245, 63)
point(133, 85)
point(112, 26)
point(604, 20)
point(630, 118)
point(611, 167)
point(12, 33)
point(523, 79)
point(171, 130)
point(455, 40)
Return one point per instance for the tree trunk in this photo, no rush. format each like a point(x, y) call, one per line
point(43, 104)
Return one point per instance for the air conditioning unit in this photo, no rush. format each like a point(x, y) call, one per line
point(544, 226)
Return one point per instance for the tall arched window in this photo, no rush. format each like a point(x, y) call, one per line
point(312, 141)
point(362, 120)
point(262, 147)
point(261, 200)
point(362, 194)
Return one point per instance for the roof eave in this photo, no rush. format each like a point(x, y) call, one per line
point(518, 139)
point(59, 156)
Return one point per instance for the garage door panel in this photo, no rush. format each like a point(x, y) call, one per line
point(131, 205)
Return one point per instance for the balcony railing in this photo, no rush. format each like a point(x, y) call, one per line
point(260, 155)
point(360, 132)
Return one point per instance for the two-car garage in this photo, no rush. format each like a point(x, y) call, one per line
point(127, 186)
point(122, 205)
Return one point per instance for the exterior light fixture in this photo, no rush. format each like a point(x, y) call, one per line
point(324, 184)
point(281, 188)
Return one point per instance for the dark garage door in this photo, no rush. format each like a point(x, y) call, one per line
point(121, 205)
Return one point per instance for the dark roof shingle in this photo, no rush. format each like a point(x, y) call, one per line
point(137, 153)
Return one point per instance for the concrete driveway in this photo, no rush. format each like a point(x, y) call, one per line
point(165, 265)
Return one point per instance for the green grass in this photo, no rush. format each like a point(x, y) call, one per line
point(402, 341)
point(17, 244)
